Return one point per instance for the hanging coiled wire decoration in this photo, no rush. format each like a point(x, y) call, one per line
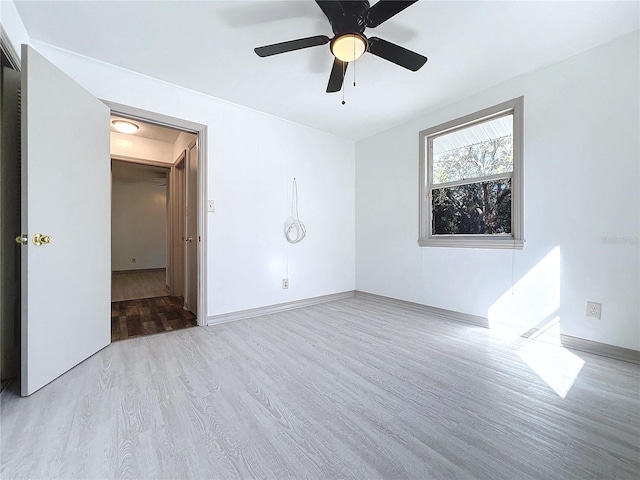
point(294, 226)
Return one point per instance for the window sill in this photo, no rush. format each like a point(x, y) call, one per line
point(451, 241)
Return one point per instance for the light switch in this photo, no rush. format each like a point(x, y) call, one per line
point(211, 206)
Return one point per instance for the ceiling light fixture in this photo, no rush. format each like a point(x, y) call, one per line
point(125, 127)
point(349, 47)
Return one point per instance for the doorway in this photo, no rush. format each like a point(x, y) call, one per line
point(154, 254)
point(65, 231)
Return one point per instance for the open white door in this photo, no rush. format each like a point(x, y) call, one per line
point(66, 284)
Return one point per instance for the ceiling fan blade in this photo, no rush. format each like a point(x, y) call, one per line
point(384, 10)
point(396, 54)
point(337, 75)
point(331, 8)
point(291, 45)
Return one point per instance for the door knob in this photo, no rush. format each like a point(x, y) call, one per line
point(22, 239)
point(39, 239)
point(188, 239)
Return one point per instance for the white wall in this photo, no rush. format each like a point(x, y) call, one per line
point(581, 190)
point(138, 226)
point(131, 146)
point(252, 159)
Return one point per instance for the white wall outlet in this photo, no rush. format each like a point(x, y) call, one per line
point(133, 260)
point(211, 206)
point(285, 283)
point(594, 310)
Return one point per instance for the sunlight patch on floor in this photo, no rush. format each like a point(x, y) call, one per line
point(553, 363)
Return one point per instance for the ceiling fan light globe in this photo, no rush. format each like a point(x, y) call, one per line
point(349, 47)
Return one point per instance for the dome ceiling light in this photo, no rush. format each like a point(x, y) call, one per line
point(124, 126)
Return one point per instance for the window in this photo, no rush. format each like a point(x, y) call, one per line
point(471, 180)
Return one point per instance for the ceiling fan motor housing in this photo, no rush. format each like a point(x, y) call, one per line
point(350, 21)
point(353, 19)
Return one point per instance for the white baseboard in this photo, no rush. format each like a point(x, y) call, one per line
point(139, 270)
point(281, 307)
point(567, 341)
point(602, 349)
point(435, 311)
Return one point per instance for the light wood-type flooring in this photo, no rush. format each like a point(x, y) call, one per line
point(356, 388)
point(138, 284)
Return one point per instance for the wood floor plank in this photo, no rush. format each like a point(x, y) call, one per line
point(165, 324)
point(351, 389)
point(123, 330)
point(149, 316)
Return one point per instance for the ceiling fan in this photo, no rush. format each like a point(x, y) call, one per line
point(349, 19)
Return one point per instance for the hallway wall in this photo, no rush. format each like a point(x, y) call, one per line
point(138, 226)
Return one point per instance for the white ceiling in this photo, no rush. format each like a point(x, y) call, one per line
point(208, 46)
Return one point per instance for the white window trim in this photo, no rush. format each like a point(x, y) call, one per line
point(515, 240)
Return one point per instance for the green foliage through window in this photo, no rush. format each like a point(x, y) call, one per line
point(475, 208)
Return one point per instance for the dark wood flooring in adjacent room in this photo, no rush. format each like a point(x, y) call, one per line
point(133, 318)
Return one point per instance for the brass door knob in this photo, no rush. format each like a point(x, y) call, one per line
point(22, 239)
point(39, 239)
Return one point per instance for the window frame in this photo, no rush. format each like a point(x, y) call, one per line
point(515, 240)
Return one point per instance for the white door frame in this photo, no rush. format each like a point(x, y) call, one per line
point(201, 130)
point(188, 291)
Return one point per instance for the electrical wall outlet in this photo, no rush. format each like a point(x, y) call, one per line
point(285, 283)
point(594, 310)
point(133, 260)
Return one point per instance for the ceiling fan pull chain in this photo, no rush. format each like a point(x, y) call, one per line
point(344, 72)
point(354, 73)
point(354, 61)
